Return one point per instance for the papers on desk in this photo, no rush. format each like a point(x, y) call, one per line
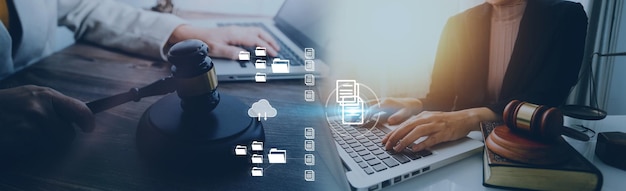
point(267, 8)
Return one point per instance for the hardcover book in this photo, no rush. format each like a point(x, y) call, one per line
point(576, 173)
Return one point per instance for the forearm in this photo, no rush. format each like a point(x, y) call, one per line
point(477, 115)
point(118, 25)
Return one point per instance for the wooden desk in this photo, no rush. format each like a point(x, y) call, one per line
point(106, 159)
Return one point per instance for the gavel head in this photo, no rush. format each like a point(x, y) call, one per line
point(538, 122)
point(196, 82)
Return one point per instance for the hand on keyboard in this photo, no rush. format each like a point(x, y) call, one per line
point(224, 41)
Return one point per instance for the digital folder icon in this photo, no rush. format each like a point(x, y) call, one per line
point(257, 159)
point(257, 146)
point(260, 77)
point(280, 66)
point(257, 171)
point(260, 64)
point(277, 156)
point(244, 55)
point(260, 51)
point(241, 150)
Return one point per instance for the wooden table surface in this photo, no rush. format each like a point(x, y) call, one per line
point(107, 159)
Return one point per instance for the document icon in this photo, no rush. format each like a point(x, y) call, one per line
point(260, 64)
point(280, 66)
point(352, 113)
point(309, 95)
point(309, 159)
point(277, 156)
point(309, 65)
point(257, 146)
point(257, 171)
point(260, 77)
point(260, 51)
point(257, 159)
point(346, 91)
point(244, 55)
point(309, 175)
point(241, 150)
point(309, 133)
point(309, 145)
point(309, 80)
point(309, 53)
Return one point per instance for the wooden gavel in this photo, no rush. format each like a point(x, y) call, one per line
point(537, 122)
point(531, 134)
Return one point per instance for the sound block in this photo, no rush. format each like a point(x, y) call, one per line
point(171, 139)
point(507, 144)
point(611, 149)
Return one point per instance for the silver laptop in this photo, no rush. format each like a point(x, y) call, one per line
point(370, 167)
point(297, 25)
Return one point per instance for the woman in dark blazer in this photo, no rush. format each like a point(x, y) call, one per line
point(544, 63)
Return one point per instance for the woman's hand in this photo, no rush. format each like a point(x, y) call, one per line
point(34, 119)
point(223, 41)
point(437, 127)
point(400, 109)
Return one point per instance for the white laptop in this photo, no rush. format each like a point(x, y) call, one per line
point(369, 167)
point(296, 27)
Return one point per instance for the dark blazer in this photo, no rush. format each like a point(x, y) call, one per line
point(544, 65)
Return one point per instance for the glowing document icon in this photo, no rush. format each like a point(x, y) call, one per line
point(352, 113)
point(257, 146)
point(309, 53)
point(309, 159)
point(309, 95)
point(309, 175)
point(309, 80)
point(346, 91)
point(309, 65)
point(277, 156)
point(244, 55)
point(257, 171)
point(260, 77)
point(309, 145)
point(260, 51)
point(241, 150)
point(260, 64)
point(280, 66)
point(257, 159)
point(309, 133)
point(347, 95)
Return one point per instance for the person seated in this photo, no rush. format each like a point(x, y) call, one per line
point(501, 50)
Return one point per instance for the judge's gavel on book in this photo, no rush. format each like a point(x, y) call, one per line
point(531, 134)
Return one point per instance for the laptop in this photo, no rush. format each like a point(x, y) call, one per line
point(297, 26)
point(369, 167)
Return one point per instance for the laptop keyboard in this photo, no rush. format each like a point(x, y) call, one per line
point(284, 53)
point(366, 149)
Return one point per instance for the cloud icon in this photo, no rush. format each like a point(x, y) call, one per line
point(262, 108)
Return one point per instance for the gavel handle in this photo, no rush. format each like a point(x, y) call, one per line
point(159, 87)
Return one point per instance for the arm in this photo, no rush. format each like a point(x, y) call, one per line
point(117, 25)
point(441, 94)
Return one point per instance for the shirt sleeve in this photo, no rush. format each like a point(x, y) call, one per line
point(117, 25)
point(441, 95)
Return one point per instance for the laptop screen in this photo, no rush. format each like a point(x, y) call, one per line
point(302, 21)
